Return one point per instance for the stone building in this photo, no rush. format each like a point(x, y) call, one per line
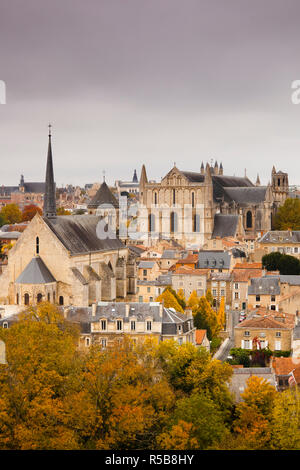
point(106, 322)
point(189, 206)
point(63, 260)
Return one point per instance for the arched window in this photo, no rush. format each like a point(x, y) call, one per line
point(151, 222)
point(174, 197)
point(39, 297)
point(61, 300)
point(174, 222)
point(26, 299)
point(193, 199)
point(37, 245)
point(196, 223)
point(48, 297)
point(155, 198)
point(249, 219)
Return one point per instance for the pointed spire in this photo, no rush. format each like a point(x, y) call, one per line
point(135, 178)
point(216, 168)
point(257, 180)
point(202, 168)
point(221, 169)
point(273, 170)
point(143, 178)
point(49, 196)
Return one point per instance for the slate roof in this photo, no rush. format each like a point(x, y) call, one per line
point(296, 332)
point(225, 225)
point(268, 285)
point(141, 311)
point(214, 260)
point(146, 264)
point(171, 254)
point(36, 272)
point(293, 280)
point(103, 196)
point(246, 195)
point(281, 236)
point(35, 187)
point(78, 233)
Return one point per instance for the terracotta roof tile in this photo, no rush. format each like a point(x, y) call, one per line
point(284, 365)
point(200, 334)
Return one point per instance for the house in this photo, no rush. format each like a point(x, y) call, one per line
point(201, 339)
point(240, 280)
point(285, 241)
point(215, 261)
point(283, 368)
point(105, 322)
point(272, 330)
point(220, 286)
point(264, 292)
point(148, 291)
point(148, 270)
point(189, 280)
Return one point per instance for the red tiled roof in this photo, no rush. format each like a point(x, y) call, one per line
point(243, 275)
point(200, 334)
point(248, 266)
point(285, 365)
point(263, 322)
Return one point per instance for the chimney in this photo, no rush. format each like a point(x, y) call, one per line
point(161, 309)
point(127, 306)
point(189, 313)
point(94, 309)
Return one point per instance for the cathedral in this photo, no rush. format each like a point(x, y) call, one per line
point(195, 207)
point(62, 260)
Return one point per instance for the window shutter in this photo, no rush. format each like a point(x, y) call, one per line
point(243, 344)
point(250, 344)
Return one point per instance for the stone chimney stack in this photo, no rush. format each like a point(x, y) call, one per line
point(94, 309)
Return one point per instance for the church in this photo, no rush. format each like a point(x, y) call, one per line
point(197, 206)
point(60, 259)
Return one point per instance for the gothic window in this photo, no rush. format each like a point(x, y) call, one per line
point(26, 299)
point(151, 224)
point(174, 222)
point(174, 197)
point(37, 245)
point(196, 223)
point(39, 297)
point(155, 198)
point(249, 219)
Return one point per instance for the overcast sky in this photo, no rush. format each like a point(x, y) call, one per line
point(127, 82)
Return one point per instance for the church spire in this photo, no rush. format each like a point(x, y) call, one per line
point(49, 196)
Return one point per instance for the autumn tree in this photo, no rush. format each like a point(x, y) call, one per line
point(11, 214)
point(193, 301)
point(285, 423)
point(205, 317)
point(221, 316)
point(169, 300)
point(288, 215)
point(30, 211)
point(62, 211)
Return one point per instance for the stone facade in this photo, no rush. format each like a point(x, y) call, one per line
point(184, 205)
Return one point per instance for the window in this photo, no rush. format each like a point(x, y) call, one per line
point(296, 249)
point(149, 325)
point(48, 297)
point(61, 300)
point(26, 299)
point(155, 198)
point(39, 298)
point(37, 245)
point(132, 325)
point(214, 292)
point(222, 292)
point(272, 298)
point(150, 299)
point(5, 324)
point(247, 333)
point(180, 341)
point(257, 298)
point(87, 342)
point(103, 342)
point(278, 345)
point(174, 197)
point(236, 295)
point(144, 272)
point(119, 325)
point(140, 298)
point(273, 307)
point(173, 222)
point(278, 334)
point(148, 289)
point(151, 222)
point(249, 219)
point(236, 286)
point(246, 344)
point(103, 325)
point(196, 223)
point(17, 299)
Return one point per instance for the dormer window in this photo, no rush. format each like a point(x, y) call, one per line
point(149, 325)
point(103, 325)
point(119, 325)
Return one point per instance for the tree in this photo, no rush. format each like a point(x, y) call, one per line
point(286, 421)
point(221, 316)
point(209, 297)
point(3, 220)
point(11, 213)
point(285, 264)
point(200, 421)
point(206, 316)
point(169, 300)
point(30, 211)
point(288, 215)
point(193, 301)
point(179, 296)
point(62, 211)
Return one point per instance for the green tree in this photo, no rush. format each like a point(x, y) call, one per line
point(288, 215)
point(285, 264)
point(3, 220)
point(11, 213)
